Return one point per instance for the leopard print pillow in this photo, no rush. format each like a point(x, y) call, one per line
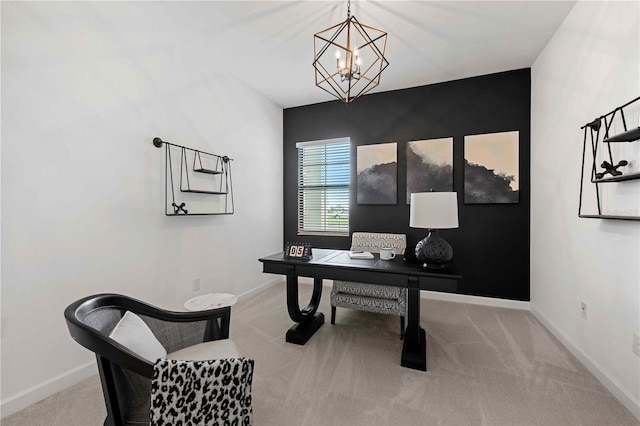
point(213, 392)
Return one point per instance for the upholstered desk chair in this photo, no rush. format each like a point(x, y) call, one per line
point(129, 336)
point(372, 297)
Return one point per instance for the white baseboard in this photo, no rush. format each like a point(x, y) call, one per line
point(607, 381)
point(37, 393)
point(259, 289)
point(475, 300)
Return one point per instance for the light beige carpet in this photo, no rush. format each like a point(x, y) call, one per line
point(486, 365)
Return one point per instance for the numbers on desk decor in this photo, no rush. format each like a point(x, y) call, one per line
point(294, 250)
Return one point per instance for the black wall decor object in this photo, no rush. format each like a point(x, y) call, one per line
point(492, 243)
point(217, 168)
point(605, 167)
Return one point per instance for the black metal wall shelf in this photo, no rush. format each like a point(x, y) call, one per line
point(221, 168)
point(207, 171)
point(202, 191)
point(628, 136)
point(607, 216)
point(621, 178)
point(201, 169)
point(610, 172)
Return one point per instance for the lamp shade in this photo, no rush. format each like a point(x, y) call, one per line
point(434, 210)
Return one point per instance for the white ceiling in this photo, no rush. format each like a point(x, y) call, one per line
point(428, 41)
point(269, 44)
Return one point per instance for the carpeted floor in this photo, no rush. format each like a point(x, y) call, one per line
point(486, 365)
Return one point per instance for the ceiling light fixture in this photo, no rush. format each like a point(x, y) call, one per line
point(354, 67)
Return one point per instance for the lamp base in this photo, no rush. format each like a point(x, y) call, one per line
point(427, 266)
point(433, 251)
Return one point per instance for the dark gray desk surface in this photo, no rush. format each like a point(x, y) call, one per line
point(336, 264)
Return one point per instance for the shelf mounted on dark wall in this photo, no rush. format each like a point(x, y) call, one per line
point(610, 170)
point(220, 169)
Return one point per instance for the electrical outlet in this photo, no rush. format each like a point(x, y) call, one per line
point(196, 284)
point(636, 344)
point(583, 310)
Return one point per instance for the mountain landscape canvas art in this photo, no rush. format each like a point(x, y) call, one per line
point(377, 168)
point(491, 168)
point(429, 166)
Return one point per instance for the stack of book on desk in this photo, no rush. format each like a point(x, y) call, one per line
point(360, 255)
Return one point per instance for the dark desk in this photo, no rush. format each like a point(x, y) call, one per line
point(336, 265)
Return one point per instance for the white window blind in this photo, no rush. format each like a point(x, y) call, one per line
point(323, 187)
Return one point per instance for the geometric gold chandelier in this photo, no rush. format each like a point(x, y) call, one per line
point(349, 58)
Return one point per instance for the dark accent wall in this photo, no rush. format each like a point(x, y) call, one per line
point(491, 246)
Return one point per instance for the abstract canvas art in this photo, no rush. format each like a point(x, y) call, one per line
point(429, 166)
point(491, 168)
point(377, 169)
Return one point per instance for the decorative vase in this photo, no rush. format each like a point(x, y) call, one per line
point(433, 251)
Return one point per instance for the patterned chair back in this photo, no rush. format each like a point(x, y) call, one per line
point(373, 242)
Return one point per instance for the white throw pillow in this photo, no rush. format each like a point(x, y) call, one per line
point(132, 333)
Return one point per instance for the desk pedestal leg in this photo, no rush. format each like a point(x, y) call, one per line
point(308, 320)
point(414, 350)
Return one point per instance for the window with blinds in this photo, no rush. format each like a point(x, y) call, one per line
point(323, 187)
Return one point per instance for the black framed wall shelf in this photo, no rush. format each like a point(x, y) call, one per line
point(199, 173)
point(611, 154)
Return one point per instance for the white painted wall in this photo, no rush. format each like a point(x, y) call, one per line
point(85, 88)
point(591, 66)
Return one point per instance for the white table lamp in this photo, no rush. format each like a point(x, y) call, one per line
point(433, 211)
